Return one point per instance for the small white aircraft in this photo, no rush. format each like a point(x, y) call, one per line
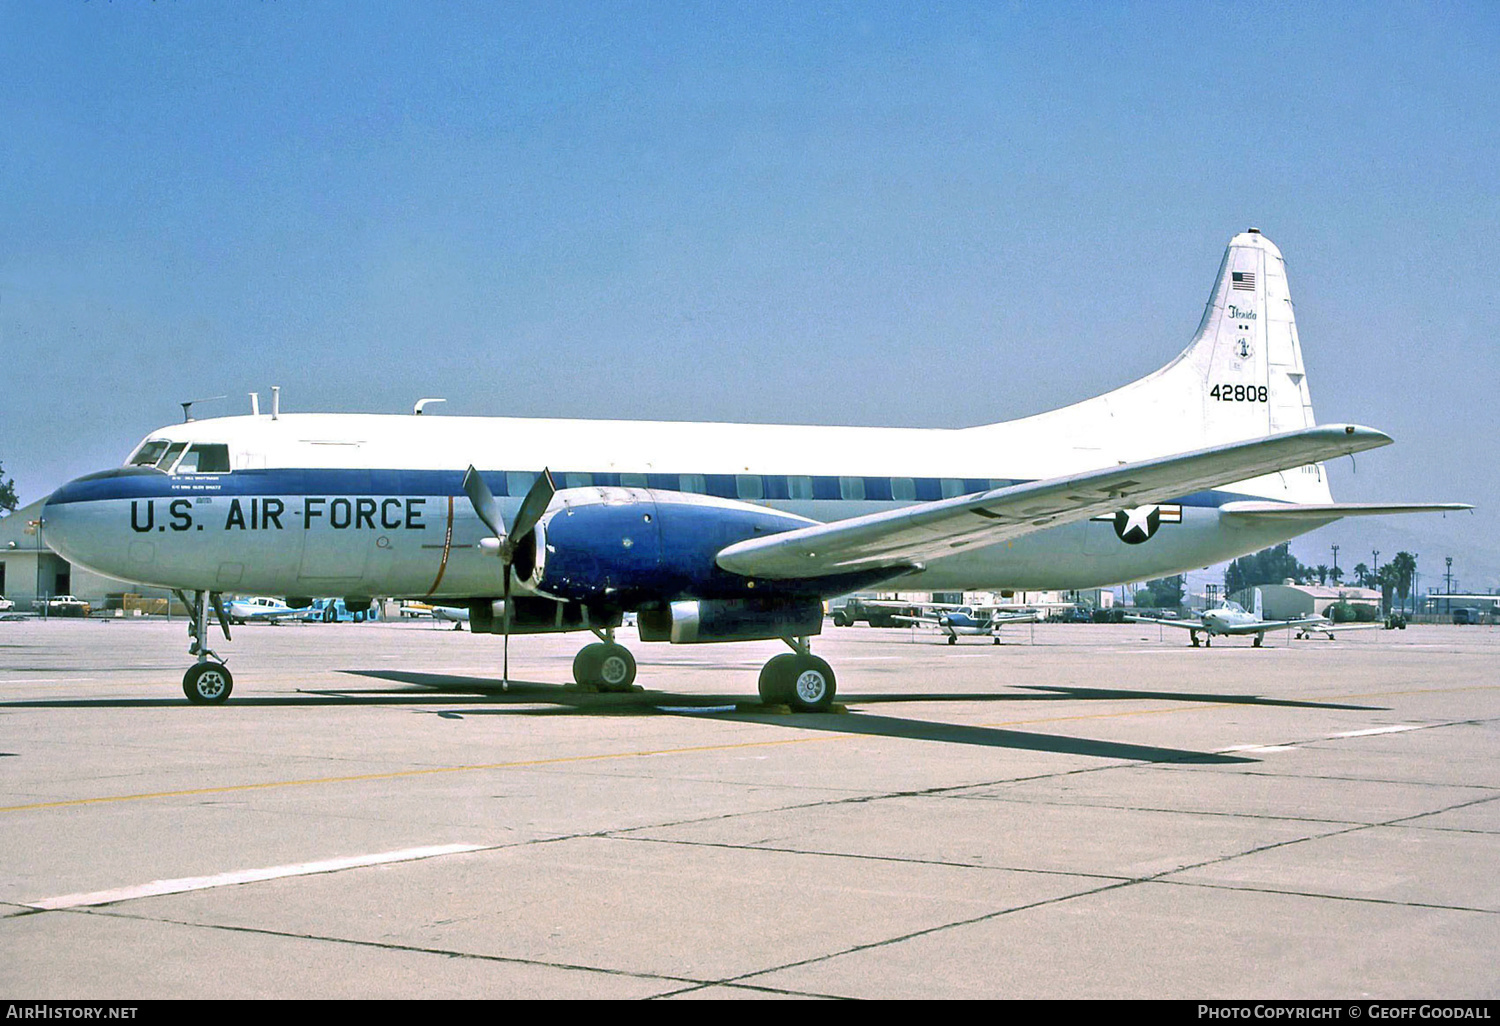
point(731, 532)
point(1305, 628)
point(260, 609)
point(1230, 619)
point(968, 621)
point(456, 615)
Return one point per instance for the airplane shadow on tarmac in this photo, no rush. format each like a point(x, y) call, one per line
point(533, 698)
point(737, 708)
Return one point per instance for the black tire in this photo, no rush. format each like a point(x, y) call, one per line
point(207, 683)
point(952, 640)
point(776, 680)
point(586, 665)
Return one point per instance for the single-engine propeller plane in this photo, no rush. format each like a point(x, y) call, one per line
point(729, 532)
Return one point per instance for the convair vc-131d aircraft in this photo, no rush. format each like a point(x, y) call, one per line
point(730, 532)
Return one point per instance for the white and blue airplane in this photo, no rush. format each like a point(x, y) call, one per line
point(1227, 619)
point(968, 621)
point(731, 532)
point(260, 609)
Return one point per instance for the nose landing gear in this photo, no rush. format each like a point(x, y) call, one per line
point(208, 681)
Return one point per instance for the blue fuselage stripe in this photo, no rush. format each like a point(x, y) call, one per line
point(141, 483)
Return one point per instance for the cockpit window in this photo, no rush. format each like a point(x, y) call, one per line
point(148, 454)
point(170, 457)
point(205, 458)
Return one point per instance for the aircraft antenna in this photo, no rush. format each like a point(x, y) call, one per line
point(187, 406)
point(417, 409)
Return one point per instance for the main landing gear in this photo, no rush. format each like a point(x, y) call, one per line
point(605, 665)
point(208, 681)
point(798, 679)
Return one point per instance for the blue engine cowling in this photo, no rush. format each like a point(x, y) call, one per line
point(628, 547)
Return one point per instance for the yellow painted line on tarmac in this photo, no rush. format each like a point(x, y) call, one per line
point(688, 750)
point(399, 774)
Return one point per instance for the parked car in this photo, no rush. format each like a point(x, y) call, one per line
point(67, 605)
point(1468, 615)
point(6, 605)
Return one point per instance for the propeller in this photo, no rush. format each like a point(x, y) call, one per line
point(503, 543)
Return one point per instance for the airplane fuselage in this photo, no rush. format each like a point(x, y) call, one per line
point(372, 505)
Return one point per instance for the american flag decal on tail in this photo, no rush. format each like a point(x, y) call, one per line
point(1242, 280)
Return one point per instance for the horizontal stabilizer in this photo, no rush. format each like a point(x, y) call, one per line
point(1333, 510)
point(909, 536)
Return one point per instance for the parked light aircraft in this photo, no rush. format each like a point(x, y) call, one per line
point(1304, 629)
point(968, 621)
point(260, 609)
point(1228, 619)
point(730, 532)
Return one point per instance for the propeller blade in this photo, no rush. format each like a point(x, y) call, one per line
point(483, 501)
point(535, 504)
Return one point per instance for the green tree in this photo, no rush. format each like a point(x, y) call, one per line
point(1162, 593)
point(1268, 566)
point(1361, 575)
point(8, 500)
point(1386, 579)
point(1404, 566)
point(1322, 571)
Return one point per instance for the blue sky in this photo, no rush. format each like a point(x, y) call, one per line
point(905, 214)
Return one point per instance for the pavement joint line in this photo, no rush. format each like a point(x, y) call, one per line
point(926, 931)
point(388, 946)
point(870, 857)
point(1361, 899)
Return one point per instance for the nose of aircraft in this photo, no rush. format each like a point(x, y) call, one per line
point(81, 521)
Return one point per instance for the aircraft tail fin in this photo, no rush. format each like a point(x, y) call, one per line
point(1240, 378)
point(1259, 615)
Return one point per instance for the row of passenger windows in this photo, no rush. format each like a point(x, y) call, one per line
point(753, 487)
point(206, 458)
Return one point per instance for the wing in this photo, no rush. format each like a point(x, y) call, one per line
point(1332, 510)
point(1192, 625)
point(925, 621)
point(1000, 618)
point(907, 538)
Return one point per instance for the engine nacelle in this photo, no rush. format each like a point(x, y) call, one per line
point(631, 547)
point(757, 619)
point(536, 616)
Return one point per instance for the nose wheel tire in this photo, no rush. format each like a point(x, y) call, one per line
point(604, 666)
point(207, 683)
point(802, 681)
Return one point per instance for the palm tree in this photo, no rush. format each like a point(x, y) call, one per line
point(1322, 572)
point(1404, 566)
point(1361, 575)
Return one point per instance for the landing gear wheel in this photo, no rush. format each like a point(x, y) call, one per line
point(1259, 640)
point(607, 667)
point(616, 668)
point(952, 640)
point(804, 682)
point(207, 683)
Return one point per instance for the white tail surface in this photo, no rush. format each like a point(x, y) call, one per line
point(1240, 378)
